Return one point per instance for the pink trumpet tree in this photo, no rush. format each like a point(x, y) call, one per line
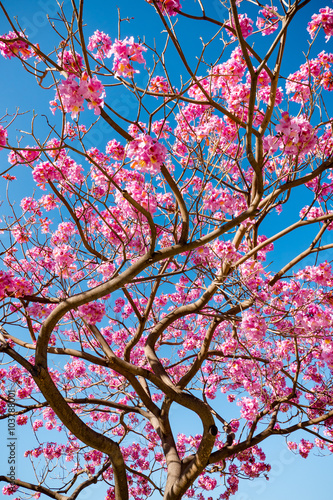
point(141, 276)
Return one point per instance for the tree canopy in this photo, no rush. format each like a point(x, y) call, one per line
point(154, 269)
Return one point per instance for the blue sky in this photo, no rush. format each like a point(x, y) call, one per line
point(291, 476)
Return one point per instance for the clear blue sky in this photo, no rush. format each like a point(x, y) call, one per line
point(291, 476)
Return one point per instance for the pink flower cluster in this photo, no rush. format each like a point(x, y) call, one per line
point(49, 202)
point(226, 76)
point(321, 274)
point(16, 286)
point(245, 25)
point(327, 352)
point(146, 153)
point(64, 257)
point(141, 193)
point(9, 489)
point(22, 419)
point(253, 326)
point(71, 63)
point(75, 369)
point(168, 7)
point(115, 150)
point(27, 155)
point(73, 130)
point(268, 23)
point(222, 199)
point(125, 53)
point(161, 128)
point(311, 212)
point(21, 233)
point(102, 43)
point(249, 408)
point(37, 424)
point(207, 483)
point(225, 250)
point(92, 312)
point(314, 73)
point(12, 46)
point(295, 136)
point(3, 137)
point(73, 93)
point(45, 172)
point(159, 85)
point(304, 448)
point(324, 19)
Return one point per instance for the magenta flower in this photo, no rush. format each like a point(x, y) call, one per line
point(125, 52)
point(168, 7)
point(3, 137)
point(146, 153)
point(268, 23)
point(324, 19)
point(12, 46)
point(102, 43)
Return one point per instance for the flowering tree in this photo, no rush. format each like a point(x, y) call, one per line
point(142, 275)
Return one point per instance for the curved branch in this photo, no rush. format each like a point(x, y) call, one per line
point(35, 487)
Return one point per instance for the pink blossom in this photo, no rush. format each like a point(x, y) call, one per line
point(92, 312)
point(245, 24)
point(73, 131)
point(119, 304)
point(253, 326)
point(6, 282)
point(146, 153)
point(27, 155)
point(73, 93)
point(115, 150)
point(75, 369)
point(37, 424)
point(304, 448)
point(292, 445)
point(22, 393)
point(3, 137)
point(168, 7)
point(324, 19)
point(136, 129)
point(21, 234)
point(249, 408)
point(125, 52)
point(93, 90)
point(44, 172)
point(296, 135)
point(268, 23)
point(225, 250)
point(22, 287)
point(102, 42)
point(64, 258)
point(10, 489)
point(28, 204)
point(3, 407)
point(71, 63)
point(208, 483)
point(161, 128)
point(311, 213)
point(12, 46)
point(21, 419)
point(16, 286)
point(310, 77)
point(49, 202)
point(159, 85)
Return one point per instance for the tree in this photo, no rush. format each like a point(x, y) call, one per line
point(138, 280)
